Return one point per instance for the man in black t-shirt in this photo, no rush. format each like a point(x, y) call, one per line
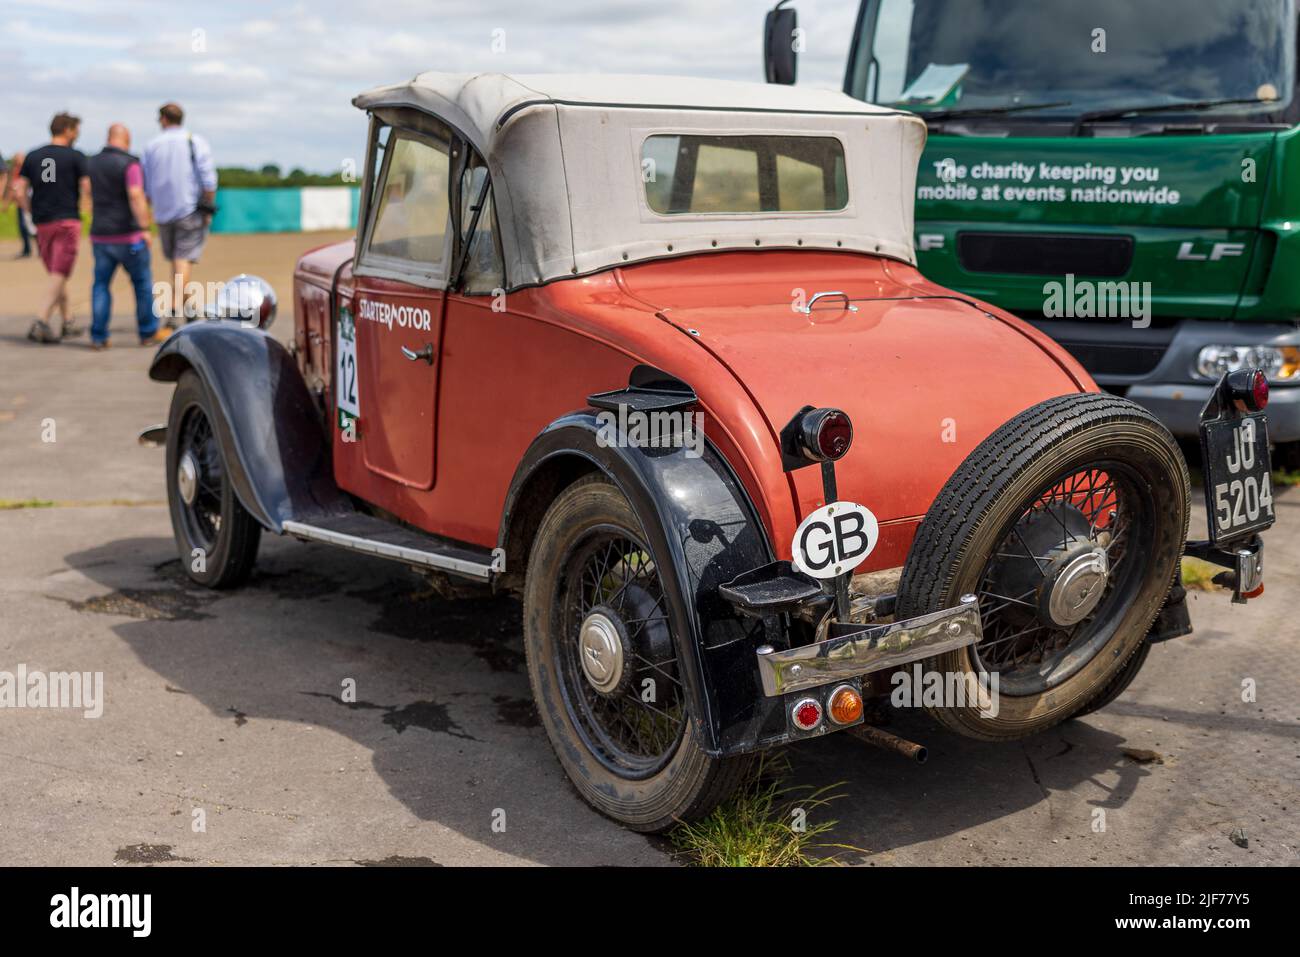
point(57, 177)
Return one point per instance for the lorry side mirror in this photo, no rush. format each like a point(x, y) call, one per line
point(780, 59)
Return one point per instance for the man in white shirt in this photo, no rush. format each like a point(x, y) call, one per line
point(180, 180)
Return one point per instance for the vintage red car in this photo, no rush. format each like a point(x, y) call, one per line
point(654, 354)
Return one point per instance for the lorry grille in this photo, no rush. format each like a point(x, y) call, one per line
point(1109, 347)
point(1109, 359)
point(1038, 254)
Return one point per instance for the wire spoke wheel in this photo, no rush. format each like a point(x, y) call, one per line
point(1050, 588)
point(600, 614)
point(216, 536)
point(200, 479)
point(615, 658)
point(1067, 523)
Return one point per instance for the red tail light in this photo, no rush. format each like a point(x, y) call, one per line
point(1259, 391)
point(826, 434)
point(806, 714)
point(1249, 388)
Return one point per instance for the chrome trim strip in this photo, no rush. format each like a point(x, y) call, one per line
point(400, 553)
point(874, 648)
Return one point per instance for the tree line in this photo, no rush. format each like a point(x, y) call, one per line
point(271, 176)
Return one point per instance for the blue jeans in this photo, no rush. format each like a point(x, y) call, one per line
point(134, 258)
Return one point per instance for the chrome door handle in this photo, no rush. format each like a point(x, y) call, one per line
point(426, 353)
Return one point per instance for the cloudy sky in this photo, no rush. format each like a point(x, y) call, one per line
point(269, 81)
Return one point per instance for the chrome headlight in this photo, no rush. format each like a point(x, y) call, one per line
point(249, 299)
point(1280, 363)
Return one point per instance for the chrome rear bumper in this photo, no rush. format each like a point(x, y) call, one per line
point(872, 648)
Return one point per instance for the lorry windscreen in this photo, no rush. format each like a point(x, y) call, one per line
point(963, 56)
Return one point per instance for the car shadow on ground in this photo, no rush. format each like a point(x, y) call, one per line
point(444, 707)
point(890, 803)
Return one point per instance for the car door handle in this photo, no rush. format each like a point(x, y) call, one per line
point(426, 353)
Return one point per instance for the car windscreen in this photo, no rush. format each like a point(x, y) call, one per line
point(726, 174)
point(1073, 57)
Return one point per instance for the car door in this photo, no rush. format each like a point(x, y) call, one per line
point(388, 332)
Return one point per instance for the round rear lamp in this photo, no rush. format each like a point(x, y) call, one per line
point(826, 434)
point(845, 705)
point(1259, 392)
point(1249, 388)
point(835, 435)
point(806, 714)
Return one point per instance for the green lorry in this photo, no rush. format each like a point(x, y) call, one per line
point(1122, 174)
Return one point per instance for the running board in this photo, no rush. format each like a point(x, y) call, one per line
point(374, 536)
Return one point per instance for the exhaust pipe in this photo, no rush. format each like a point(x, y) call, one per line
point(890, 742)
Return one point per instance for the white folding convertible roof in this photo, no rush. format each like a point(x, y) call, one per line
point(564, 152)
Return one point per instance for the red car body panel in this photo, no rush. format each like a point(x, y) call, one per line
point(925, 376)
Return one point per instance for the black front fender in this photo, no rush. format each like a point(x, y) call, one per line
point(700, 523)
point(274, 443)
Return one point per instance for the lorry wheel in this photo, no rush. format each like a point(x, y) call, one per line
point(604, 668)
point(1068, 524)
point(1119, 683)
point(216, 536)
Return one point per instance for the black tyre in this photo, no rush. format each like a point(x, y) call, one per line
point(216, 536)
point(1119, 684)
point(603, 666)
point(1068, 523)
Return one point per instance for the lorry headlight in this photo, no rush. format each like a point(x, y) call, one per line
point(1280, 363)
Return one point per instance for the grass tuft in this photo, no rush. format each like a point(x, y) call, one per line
point(7, 504)
point(1198, 575)
point(1286, 478)
point(756, 827)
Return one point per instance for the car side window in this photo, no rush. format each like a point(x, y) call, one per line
point(411, 205)
point(483, 270)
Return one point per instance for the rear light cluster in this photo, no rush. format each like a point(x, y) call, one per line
point(843, 707)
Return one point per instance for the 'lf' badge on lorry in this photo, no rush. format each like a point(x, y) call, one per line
point(835, 539)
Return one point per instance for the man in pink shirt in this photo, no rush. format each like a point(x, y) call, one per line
point(119, 236)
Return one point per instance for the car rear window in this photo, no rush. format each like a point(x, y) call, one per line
point(689, 173)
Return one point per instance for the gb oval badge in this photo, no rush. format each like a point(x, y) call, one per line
point(835, 539)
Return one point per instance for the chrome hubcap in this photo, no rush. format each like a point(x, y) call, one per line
point(187, 478)
point(600, 649)
point(1078, 588)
